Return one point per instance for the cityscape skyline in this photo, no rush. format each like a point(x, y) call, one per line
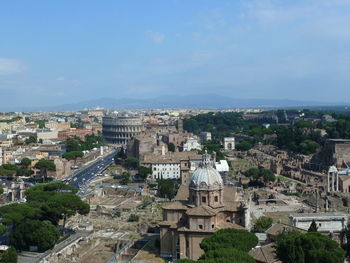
point(82, 50)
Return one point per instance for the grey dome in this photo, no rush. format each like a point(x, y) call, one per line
point(206, 176)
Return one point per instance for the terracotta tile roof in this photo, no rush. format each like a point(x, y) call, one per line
point(265, 254)
point(223, 225)
point(202, 210)
point(230, 193)
point(182, 193)
point(231, 206)
point(280, 228)
point(176, 205)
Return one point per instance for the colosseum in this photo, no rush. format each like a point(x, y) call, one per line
point(121, 128)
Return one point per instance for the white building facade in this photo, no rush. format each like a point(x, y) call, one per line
point(191, 144)
point(166, 170)
point(333, 222)
point(229, 143)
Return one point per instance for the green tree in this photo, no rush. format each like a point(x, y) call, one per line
point(117, 213)
point(133, 218)
point(131, 162)
point(346, 234)
point(230, 238)
point(42, 234)
point(9, 256)
point(261, 174)
point(1, 190)
point(126, 178)
point(308, 248)
point(73, 155)
point(166, 188)
point(267, 175)
point(262, 224)
point(244, 145)
point(171, 147)
point(13, 214)
point(3, 229)
point(120, 154)
point(226, 255)
point(30, 140)
point(56, 201)
point(313, 227)
point(144, 172)
point(62, 206)
point(26, 162)
point(45, 165)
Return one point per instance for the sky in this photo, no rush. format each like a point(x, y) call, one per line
point(59, 52)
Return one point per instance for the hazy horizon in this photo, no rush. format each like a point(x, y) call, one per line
point(56, 53)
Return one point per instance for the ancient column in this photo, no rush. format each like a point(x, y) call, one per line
point(337, 175)
point(332, 182)
point(328, 182)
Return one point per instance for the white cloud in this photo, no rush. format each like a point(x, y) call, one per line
point(155, 37)
point(10, 66)
point(60, 78)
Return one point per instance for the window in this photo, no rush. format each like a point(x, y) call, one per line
point(200, 226)
point(216, 199)
point(212, 226)
point(204, 199)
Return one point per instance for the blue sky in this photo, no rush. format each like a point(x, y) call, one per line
point(57, 52)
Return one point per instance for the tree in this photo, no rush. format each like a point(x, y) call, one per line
point(30, 140)
point(226, 255)
point(1, 190)
point(346, 235)
point(230, 238)
point(126, 178)
point(308, 248)
point(244, 146)
point(133, 218)
point(171, 147)
point(56, 201)
point(3, 229)
point(9, 256)
point(131, 162)
point(267, 175)
point(25, 162)
point(166, 188)
point(45, 165)
point(211, 147)
point(34, 233)
point(261, 174)
point(62, 206)
point(13, 214)
point(262, 224)
point(313, 227)
point(144, 172)
point(73, 155)
point(117, 213)
point(120, 154)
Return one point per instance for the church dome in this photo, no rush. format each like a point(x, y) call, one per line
point(206, 176)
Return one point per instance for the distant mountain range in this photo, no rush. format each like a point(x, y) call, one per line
point(200, 101)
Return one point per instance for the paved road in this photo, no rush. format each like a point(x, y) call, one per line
point(81, 177)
